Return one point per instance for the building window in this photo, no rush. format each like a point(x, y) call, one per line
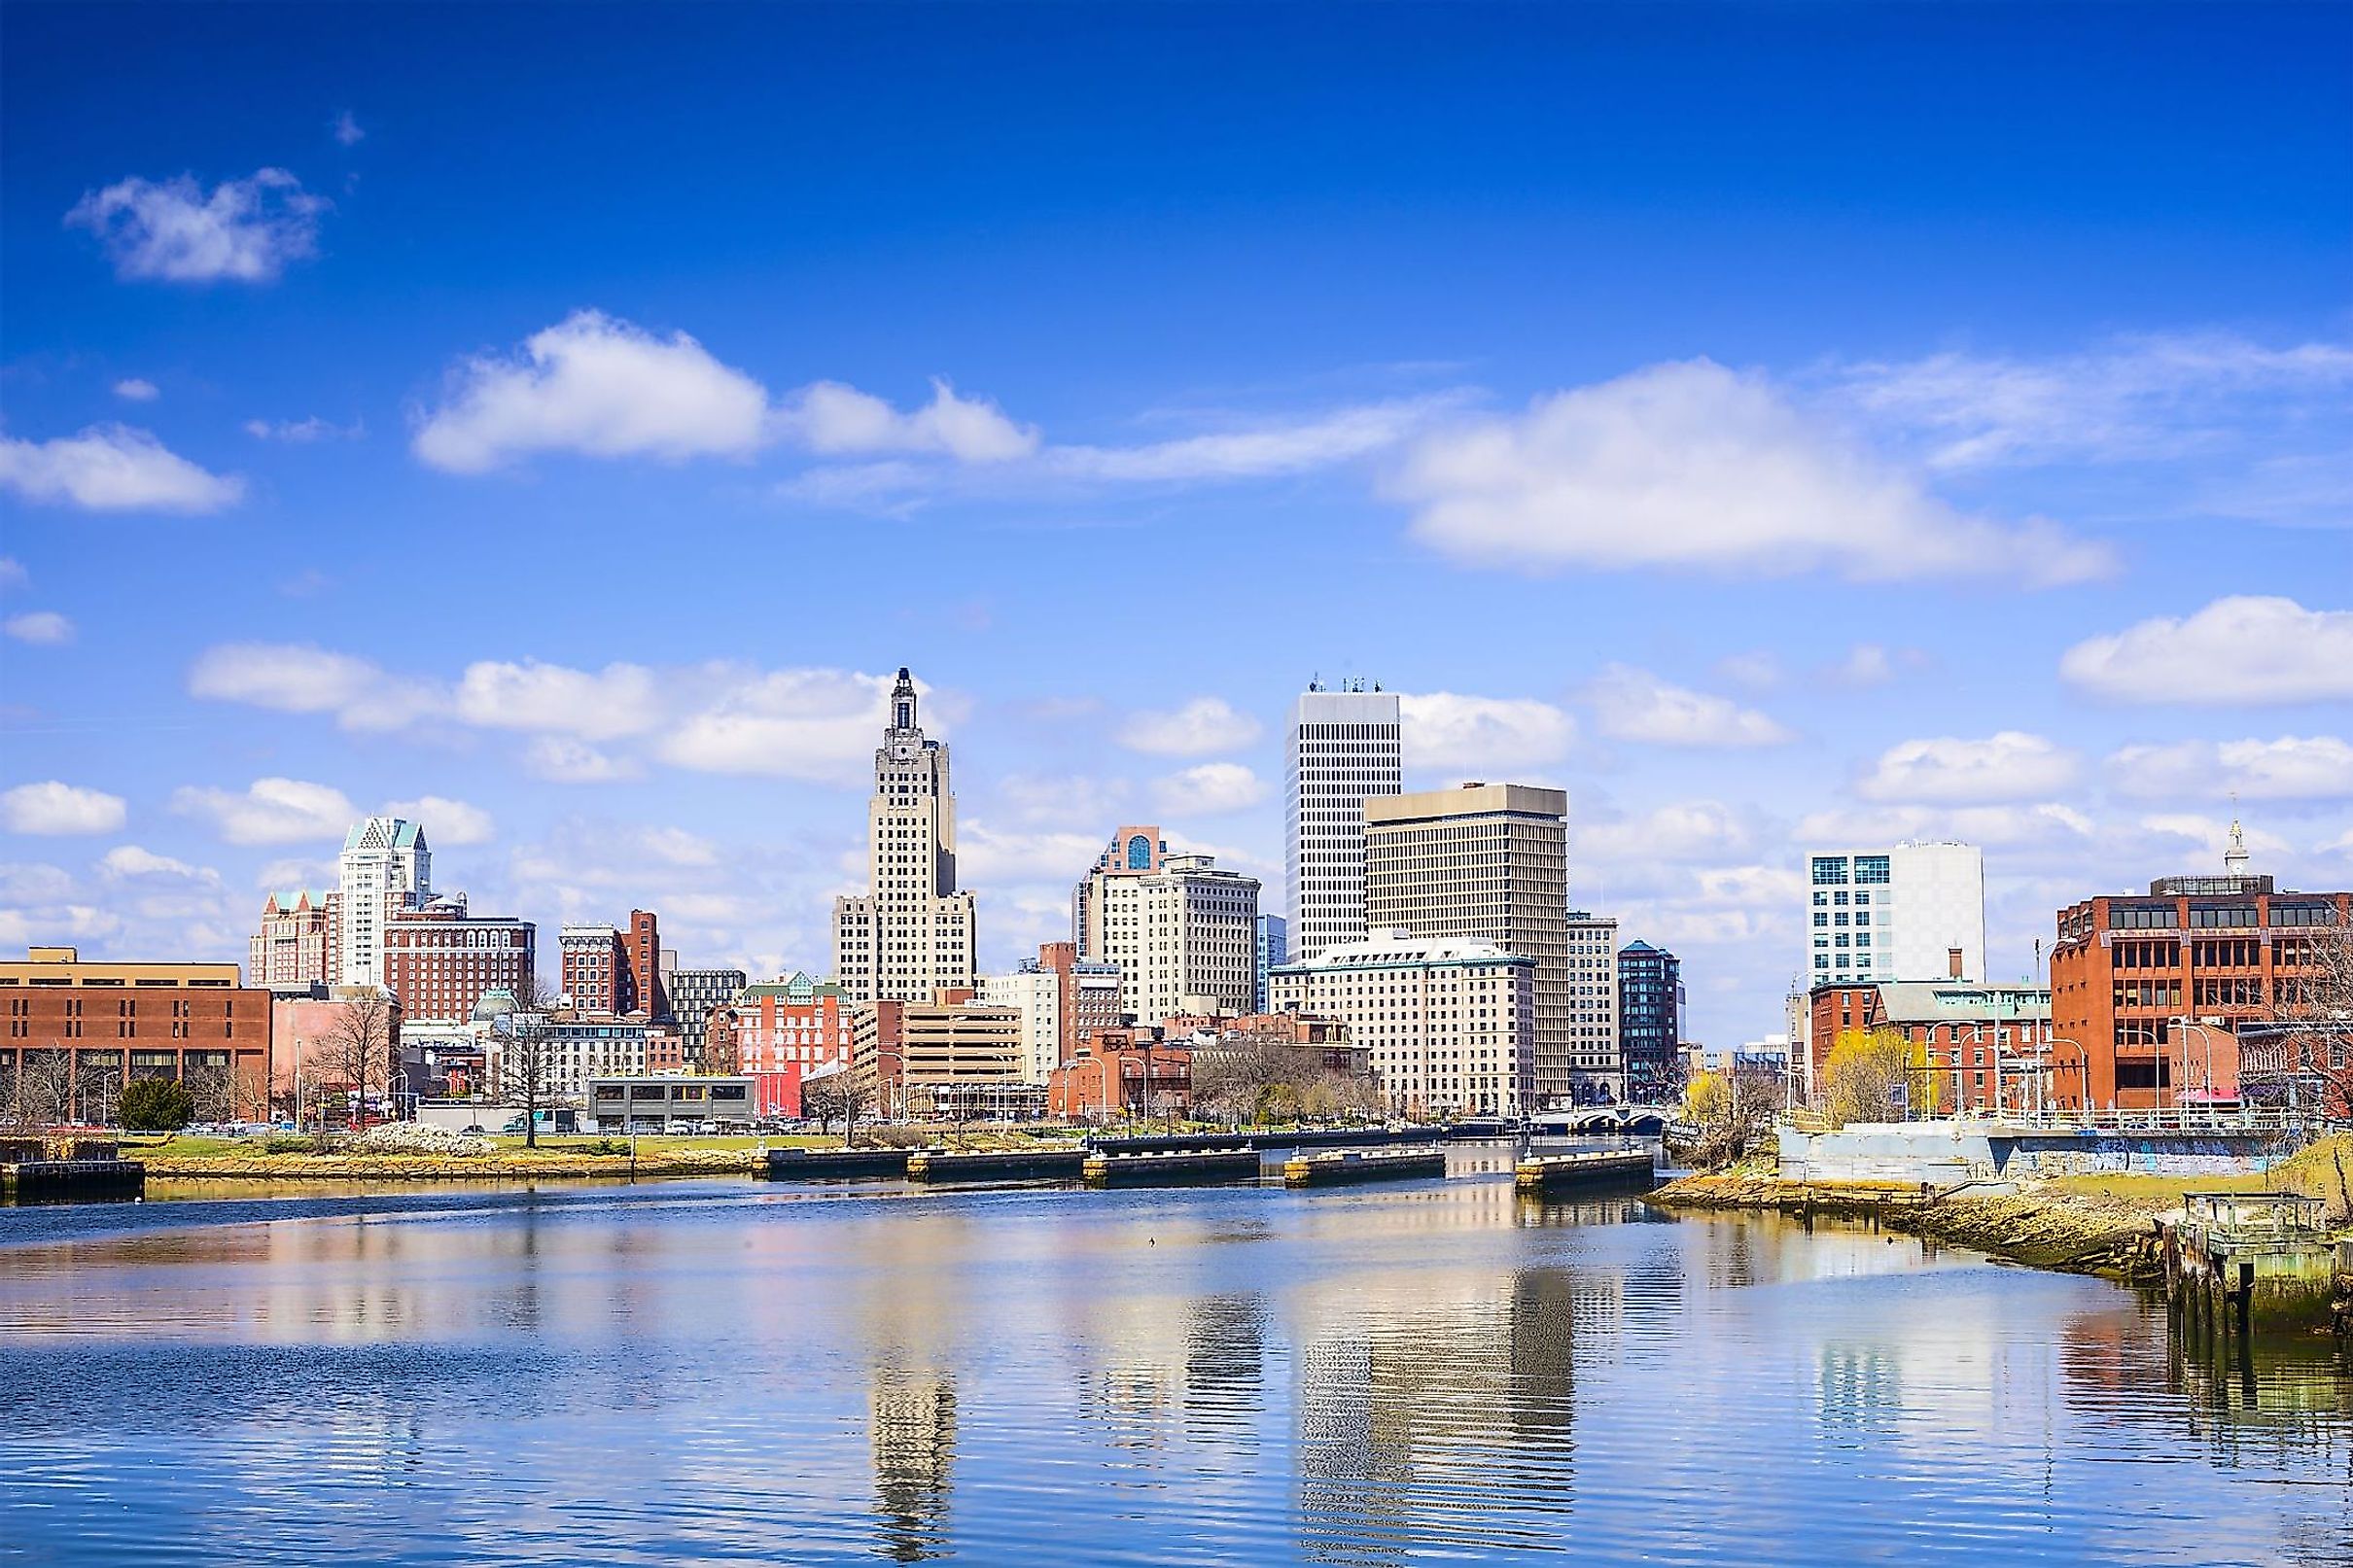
point(1829, 870)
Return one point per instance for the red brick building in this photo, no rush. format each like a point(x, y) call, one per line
point(2142, 983)
point(88, 1028)
point(439, 960)
point(799, 1023)
point(296, 943)
point(642, 944)
point(1123, 1072)
point(1975, 1047)
point(595, 968)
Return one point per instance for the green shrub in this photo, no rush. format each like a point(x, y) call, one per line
point(156, 1106)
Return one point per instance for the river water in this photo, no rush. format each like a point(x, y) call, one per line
point(731, 1372)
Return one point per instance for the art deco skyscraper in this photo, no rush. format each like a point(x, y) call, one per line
point(1345, 747)
point(912, 932)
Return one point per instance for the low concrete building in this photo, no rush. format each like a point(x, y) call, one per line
point(675, 1103)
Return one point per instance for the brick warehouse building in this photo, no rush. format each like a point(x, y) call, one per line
point(1975, 1046)
point(115, 1021)
point(2142, 983)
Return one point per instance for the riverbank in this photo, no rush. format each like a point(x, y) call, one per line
point(2093, 1225)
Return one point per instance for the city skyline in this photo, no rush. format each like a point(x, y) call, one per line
point(562, 500)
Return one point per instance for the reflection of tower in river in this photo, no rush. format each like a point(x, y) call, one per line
point(1441, 1412)
point(1224, 1367)
point(911, 1423)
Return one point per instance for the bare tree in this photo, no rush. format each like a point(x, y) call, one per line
point(835, 1094)
point(1261, 1078)
point(1732, 1112)
point(527, 1067)
point(360, 1046)
point(220, 1094)
point(44, 1090)
point(2311, 1017)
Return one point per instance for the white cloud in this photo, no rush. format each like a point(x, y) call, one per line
point(2212, 835)
point(1946, 770)
point(599, 386)
point(562, 760)
point(1039, 799)
point(246, 231)
point(621, 699)
point(2042, 825)
point(2138, 397)
point(11, 573)
point(675, 847)
point(814, 724)
point(2242, 648)
point(137, 389)
point(446, 823)
point(2318, 767)
point(1635, 705)
point(299, 432)
point(130, 860)
point(1209, 789)
point(45, 627)
point(269, 810)
point(113, 468)
point(1697, 830)
point(834, 419)
point(987, 859)
point(1284, 447)
point(1758, 669)
point(1873, 664)
point(301, 679)
point(293, 871)
point(1693, 466)
point(1201, 727)
point(1443, 730)
point(53, 808)
point(346, 130)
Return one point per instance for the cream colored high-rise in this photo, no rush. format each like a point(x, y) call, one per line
point(1183, 933)
point(911, 935)
point(1488, 861)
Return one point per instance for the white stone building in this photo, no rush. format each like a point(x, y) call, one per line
point(1596, 1064)
point(1450, 1021)
point(1183, 933)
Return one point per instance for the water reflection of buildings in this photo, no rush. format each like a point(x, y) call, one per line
point(911, 1425)
point(1437, 1412)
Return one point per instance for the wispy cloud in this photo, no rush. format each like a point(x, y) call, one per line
point(113, 468)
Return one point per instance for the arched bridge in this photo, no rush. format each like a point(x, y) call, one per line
point(1588, 1121)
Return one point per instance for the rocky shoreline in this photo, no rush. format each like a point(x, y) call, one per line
point(2043, 1226)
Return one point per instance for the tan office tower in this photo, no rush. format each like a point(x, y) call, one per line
point(1489, 861)
point(911, 935)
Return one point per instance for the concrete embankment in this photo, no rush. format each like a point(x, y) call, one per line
point(2046, 1227)
point(504, 1166)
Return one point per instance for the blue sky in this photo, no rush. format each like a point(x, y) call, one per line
point(1771, 424)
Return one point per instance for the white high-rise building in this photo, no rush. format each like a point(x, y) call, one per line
point(911, 935)
point(1596, 1064)
point(1183, 933)
point(1345, 747)
point(1895, 913)
point(384, 866)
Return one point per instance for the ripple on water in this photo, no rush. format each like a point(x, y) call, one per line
point(716, 1374)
